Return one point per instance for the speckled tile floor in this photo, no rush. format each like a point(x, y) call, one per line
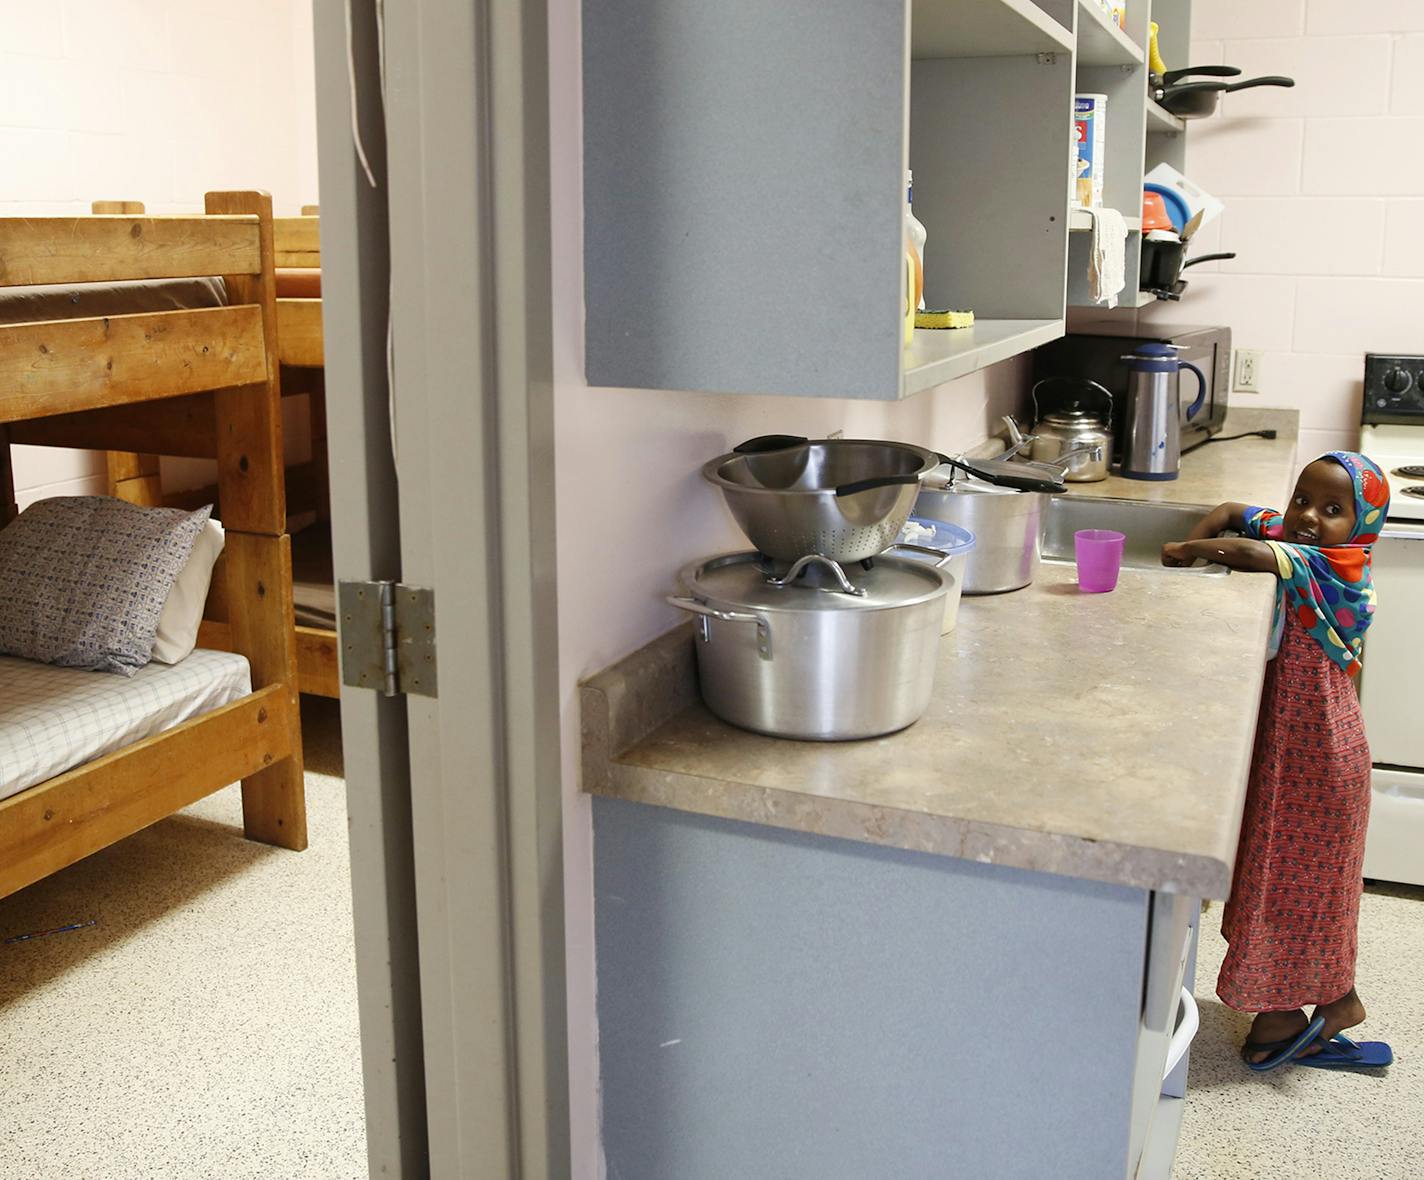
point(1306, 1124)
point(206, 1027)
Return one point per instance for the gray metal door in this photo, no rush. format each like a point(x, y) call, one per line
point(434, 208)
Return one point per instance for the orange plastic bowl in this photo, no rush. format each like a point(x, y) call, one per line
point(1154, 212)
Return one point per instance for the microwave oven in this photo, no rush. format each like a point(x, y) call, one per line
point(1095, 351)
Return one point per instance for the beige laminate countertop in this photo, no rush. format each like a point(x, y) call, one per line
point(1248, 470)
point(1099, 736)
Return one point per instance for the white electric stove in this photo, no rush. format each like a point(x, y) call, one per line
point(1393, 436)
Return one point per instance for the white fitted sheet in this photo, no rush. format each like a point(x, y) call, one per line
point(54, 719)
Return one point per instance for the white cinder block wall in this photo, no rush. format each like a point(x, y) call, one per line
point(1324, 187)
point(157, 101)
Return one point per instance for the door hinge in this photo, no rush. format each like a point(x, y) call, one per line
point(388, 638)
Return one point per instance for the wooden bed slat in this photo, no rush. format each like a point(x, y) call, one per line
point(65, 819)
point(318, 657)
point(187, 427)
point(107, 248)
point(299, 336)
point(297, 240)
point(65, 366)
point(318, 662)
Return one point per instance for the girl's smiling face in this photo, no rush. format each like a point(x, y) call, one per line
point(1322, 508)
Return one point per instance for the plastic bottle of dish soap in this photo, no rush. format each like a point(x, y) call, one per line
point(917, 234)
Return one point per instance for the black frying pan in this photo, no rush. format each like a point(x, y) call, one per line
point(1196, 100)
point(1160, 82)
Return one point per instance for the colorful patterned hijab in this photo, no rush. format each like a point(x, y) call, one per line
point(1329, 589)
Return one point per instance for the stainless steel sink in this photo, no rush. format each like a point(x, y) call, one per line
point(1147, 526)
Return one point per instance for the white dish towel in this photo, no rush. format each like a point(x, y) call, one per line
point(1107, 248)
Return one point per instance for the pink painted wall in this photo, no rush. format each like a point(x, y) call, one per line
point(156, 101)
point(1324, 188)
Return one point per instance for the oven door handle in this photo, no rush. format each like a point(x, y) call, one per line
point(1400, 535)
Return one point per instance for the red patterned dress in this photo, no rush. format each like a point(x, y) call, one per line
point(1292, 921)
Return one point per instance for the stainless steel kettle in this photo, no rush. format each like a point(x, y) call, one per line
point(1152, 442)
point(1073, 417)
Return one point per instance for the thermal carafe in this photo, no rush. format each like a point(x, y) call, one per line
point(1152, 444)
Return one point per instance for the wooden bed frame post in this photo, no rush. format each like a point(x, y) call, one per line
point(132, 476)
point(258, 550)
point(8, 510)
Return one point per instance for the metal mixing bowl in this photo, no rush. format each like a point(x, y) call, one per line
point(846, 499)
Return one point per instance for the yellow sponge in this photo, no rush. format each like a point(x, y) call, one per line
point(944, 319)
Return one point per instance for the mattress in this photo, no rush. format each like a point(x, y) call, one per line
point(54, 719)
point(21, 305)
point(313, 582)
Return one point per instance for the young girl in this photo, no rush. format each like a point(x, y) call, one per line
point(1291, 923)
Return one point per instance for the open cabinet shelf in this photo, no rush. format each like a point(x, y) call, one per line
point(1161, 120)
point(1101, 42)
point(1081, 220)
point(744, 185)
point(938, 355)
point(984, 28)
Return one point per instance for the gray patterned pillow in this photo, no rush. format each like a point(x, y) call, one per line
point(83, 580)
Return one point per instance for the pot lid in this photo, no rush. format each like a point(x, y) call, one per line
point(1027, 477)
point(745, 581)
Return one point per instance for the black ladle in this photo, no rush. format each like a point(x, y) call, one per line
point(1196, 100)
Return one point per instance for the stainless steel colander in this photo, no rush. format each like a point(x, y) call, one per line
point(846, 499)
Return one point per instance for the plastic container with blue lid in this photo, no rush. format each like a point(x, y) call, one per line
point(951, 539)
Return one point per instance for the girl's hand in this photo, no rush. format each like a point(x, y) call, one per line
point(1175, 555)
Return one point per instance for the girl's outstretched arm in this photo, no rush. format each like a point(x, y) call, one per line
point(1237, 553)
point(1218, 520)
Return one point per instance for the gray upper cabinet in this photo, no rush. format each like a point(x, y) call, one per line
point(744, 187)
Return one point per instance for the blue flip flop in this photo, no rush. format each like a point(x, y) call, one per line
point(1281, 1051)
point(1343, 1053)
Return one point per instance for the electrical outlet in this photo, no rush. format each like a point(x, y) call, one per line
point(1248, 371)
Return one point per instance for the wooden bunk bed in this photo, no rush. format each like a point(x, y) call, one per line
point(189, 382)
point(295, 267)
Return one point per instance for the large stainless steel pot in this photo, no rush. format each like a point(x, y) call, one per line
point(1007, 527)
point(822, 654)
point(846, 499)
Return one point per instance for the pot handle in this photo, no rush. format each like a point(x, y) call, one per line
point(768, 442)
point(1226, 257)
point(727, 616)
point(1172, 76)
point(879, 481)
point(816, 559)
point(927, 550)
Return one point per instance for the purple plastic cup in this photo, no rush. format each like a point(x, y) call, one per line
point(1099, 553)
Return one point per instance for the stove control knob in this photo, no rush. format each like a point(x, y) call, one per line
point(1397, 380)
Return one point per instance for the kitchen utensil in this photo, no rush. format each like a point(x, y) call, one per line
point(1007, 527)
point(846, 499)
point(1152, 446)
point(1171, 77)
point(1162, 262)
point(945, 545)
point(1074, 416)
point(1196, 100)
point(808, 660)
point(1019, 475)
point(1154, 212)
point(1178, 211)
point(1189, 230)
point(1099, 556)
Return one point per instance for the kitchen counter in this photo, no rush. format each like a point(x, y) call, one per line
point(1105, 737)
point(1247, 470)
